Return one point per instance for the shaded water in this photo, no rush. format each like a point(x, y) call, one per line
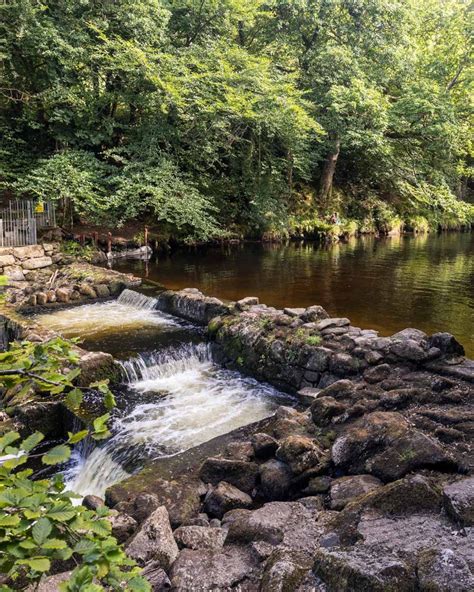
point(186, 399)
point(121, 327)
point(384, 284)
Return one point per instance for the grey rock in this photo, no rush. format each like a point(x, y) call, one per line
point(275, 480)
point(319, 359)
point(446, 343)
point(102, 290)
point(225, 497)
point(345, 489)
point(246, 302)
point(409, 349)
point(300, 453)
point(459, 501)
point(28, 252)
point(123, 526)
point(37, 263)
point(313, 314)
point(200, 537)
point(92, 502)
point(294, 312)
point(377, 373)
point(230, 568)
point(241, 474)
point(156, 576)
point(154, 541)
point(336, 322)
point(443, 570)
point(264, 445)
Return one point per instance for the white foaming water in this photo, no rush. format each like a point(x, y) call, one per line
point(195, 400)
point(130, 311)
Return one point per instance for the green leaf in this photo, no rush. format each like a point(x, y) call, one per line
point(54, 544)
point(13, 463)
point(109, 400)
point(138, 584)
point(8, 520)
point(77, 437)
point(56, 455)
point(101, 527)
point(74, 399)
point(32, 441)
point(41, 530)
point(8, 439)
point(42, 564)
point(62, 512)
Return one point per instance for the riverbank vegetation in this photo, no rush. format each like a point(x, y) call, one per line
point(240, 118)
point(41, 528)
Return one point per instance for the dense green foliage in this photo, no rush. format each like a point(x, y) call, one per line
point(40, 526)
point(214, 116)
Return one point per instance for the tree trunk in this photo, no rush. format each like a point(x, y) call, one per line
point(328, 170)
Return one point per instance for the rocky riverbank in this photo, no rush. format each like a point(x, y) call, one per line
point(39, 275)
point(367, 484)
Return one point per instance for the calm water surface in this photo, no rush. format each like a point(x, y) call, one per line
point(385, 284)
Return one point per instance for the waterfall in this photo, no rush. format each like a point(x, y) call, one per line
point(184, 399)
point(137, 300)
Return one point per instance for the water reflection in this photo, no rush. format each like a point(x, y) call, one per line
point(387, 284)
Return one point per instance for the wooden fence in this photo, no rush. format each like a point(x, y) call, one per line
point(21, 220)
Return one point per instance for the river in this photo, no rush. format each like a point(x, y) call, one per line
point(386, 284)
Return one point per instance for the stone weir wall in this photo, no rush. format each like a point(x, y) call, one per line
point(304, 348)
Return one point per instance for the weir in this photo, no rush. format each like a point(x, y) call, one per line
point(181, 398)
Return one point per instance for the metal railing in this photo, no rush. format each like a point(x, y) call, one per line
point(21, 220)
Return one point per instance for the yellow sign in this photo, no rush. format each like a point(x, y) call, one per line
point(39, 209)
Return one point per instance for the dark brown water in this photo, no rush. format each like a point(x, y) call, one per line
point(385, 284)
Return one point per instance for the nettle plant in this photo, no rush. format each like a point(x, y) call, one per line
point(41, 530)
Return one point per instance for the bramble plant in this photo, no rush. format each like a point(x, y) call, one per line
point(39, 524)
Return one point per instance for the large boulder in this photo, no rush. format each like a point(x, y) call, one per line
point(200, 537)
point(290, 524)
point(284, 571)
point(225, 497)
point(275, 480)
point(352, 571)
point(346, 489)
point(156, 576)
point(384, 445)
point(241, 474)
point(154, 541)
point(443, 570)
point(28, 252)
point(37, 263)
point(264, 445)
point(300, 453)
point(123, 526)
point(230, 568)
point(459, 501)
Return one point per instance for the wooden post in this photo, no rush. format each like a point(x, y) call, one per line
point(96, 238)
point(82, 239)
point(146, 235)
point(109, 242)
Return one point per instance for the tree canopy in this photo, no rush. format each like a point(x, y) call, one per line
point(239, 116)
